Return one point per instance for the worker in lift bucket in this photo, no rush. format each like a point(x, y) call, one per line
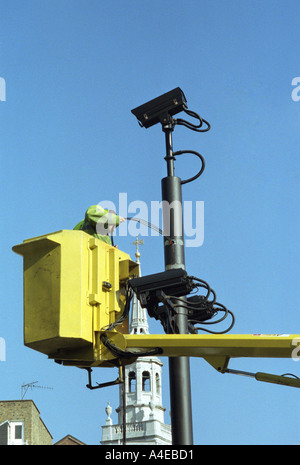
point(100, 223)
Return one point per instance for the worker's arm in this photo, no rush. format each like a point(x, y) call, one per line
point(96, 214)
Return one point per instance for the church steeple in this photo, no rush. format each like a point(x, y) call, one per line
point(144, 409)
point(139, 322)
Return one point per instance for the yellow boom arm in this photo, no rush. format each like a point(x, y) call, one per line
point(217, 349)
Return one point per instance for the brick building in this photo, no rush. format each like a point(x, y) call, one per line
point(21, 424)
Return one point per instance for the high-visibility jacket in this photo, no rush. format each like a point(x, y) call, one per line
point(96, 222)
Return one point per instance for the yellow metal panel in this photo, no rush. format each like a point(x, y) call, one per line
point(227, 346)
point(71, 290)
point(56, 312)
point(215, 349)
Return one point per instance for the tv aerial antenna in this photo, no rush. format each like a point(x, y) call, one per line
point(33, 384)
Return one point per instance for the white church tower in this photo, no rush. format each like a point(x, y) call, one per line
point(144, 410)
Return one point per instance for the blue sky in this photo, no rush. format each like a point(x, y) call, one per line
point(74, 69)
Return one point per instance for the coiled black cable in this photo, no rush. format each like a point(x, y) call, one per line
point(198, 314)
point(125, 314)
point(181, 152)
point(193, 322)
point(117, 352)
point(126, 354)
point(199, 309)
point(193, 127)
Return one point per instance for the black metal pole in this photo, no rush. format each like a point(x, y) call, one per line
point(122, 378)
point(179, 367)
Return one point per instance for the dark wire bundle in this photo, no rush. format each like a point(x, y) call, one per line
point(117, 352)
point(209, 308)
point(199, 309)
point(125, 314)
point(189, 125)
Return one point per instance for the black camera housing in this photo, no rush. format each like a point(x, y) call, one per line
point(173, 282)
point(155, 110)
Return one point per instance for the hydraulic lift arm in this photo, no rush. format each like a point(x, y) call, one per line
point(217, 350)
point(220, 346)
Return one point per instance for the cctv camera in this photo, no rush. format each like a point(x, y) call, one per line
point(155, 110)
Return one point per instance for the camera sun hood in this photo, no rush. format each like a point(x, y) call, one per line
point(170, 103)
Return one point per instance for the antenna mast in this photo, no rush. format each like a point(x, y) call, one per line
point(33, 384)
